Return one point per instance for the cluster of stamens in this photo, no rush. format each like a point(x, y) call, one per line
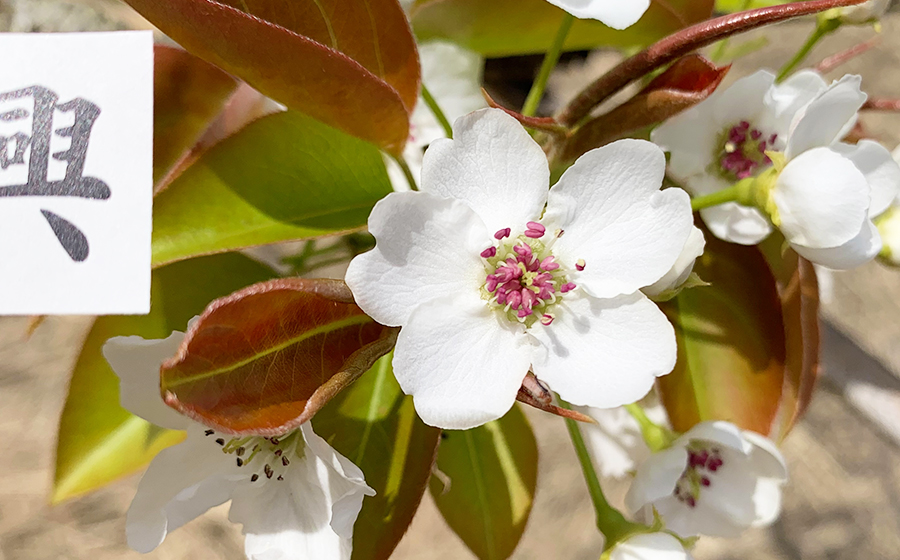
point(523, 275)
point(702, 462)
point(273, 454)
point(744, 151)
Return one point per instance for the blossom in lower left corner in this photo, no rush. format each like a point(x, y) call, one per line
point(715, 480)
point(649, 546)
point(296, 497)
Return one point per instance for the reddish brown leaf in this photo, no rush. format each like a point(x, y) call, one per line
point(188, 93)
point(546, 124)
point(266, 358)
point(687, 82)
point(731, 342)
point(354, 68)
point(799, 293)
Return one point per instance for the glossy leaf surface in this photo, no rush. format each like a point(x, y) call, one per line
point(374, 425)
point(188, 93)
point(265, 359)
point(283, 177)
point(353, 67)
point(512, 27)
point(491, 477)
point(99, 441)
point(731, 342)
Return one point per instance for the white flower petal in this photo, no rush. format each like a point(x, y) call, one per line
point(881, 172)
point(615, 441)
point(825, 120)
point(767, 501)
point(689, 522)
point(615, 218)
point(462, 363)
point(656, 478)
point(494, 166)
point(730, 493)
point(859, 250)
point(865, 12)
point(649, 546)
point(735, 223)
point(137, 361)
point(766, 459)
point(426, 247)
point(604, 352)
point(683, 266)
point(717, 431)
point(180, 484)
point(614, 13)
point(309, 514)
point(786, 99)
point(744, 100)
point(692, 140)
point(822, 199)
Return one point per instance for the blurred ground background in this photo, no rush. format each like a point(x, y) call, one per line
point(843, 501)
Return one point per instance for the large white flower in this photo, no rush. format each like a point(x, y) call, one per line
point(650, 546)
point(725, 138)
point(617, 14)
point(714, 480)
point(453, 75)
point(296, 497)
point(490, 275)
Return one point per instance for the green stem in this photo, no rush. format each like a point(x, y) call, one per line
point(610, 521)
point(657, 437)
point(407, 172)
point(550, 60)
point(436, 111)
point(824, 27)
point(740, 192)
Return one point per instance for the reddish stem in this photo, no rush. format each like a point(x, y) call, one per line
point(683, 42)
point(830, 63)
point(882, 104)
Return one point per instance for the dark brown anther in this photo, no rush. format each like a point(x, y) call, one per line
point(285, 462)
point(210, 432)
point(275, 440)
point(254, 478)
point(280, 477)
point(278, 452)
point(269, 472)
point(220, 441)
point(240, 462)
point(240, 451)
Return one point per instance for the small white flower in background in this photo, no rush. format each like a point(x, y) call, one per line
point(828, 192)
point(649, 546)
point(888, 224)
point(615, 441)
point(669, 285)
point(453, 75)
point(617, 14)
point(724, 139)
point(714, 480)
point(488, 284)
point(865, 12)
point(296, 497)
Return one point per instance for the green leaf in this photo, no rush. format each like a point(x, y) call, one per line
point(731, 342)
point(188, 93)
point(99, 441)
point(491, 476)
point(374, 425)
point(351, 66)
point(513, 27)
point(283, 177)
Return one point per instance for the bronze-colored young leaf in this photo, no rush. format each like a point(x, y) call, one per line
point(731, 342)
point(352, 67)
point(512, 27)
point(491, 474)
point(799, 293)
point(688, 81)
point(266, 358)
point(374, 425)
point(188, 93)
point(98, 440)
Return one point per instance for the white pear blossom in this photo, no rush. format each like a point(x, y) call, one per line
point(724, 139)
point(615, 441)
point(649, 546)
point(296, 497)
point(617, 14)
point(491, 275)
point(865, 12)
point(453, 75)
point(888, 224)
point(821, 194)
point(714, 480)
point(671, 283)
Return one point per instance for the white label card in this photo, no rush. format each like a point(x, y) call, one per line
point(76, 177)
